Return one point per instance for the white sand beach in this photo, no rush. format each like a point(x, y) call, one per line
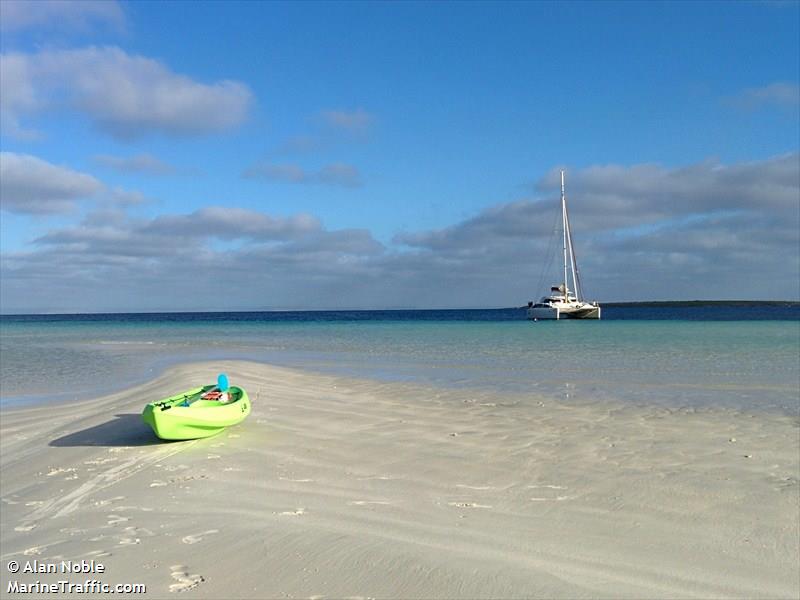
point(338, 487)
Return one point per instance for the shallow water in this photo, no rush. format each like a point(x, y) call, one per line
point(683, 358)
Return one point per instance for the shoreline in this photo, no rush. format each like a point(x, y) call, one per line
point(161, 368)
point(338, 486)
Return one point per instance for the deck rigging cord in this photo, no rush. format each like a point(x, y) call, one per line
point(550, 252)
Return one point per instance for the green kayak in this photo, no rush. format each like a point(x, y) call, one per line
point(197, 413)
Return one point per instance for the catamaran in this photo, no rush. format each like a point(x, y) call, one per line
point(564, 302)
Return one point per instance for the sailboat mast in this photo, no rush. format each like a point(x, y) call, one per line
point(573, 263)
point(564, 221)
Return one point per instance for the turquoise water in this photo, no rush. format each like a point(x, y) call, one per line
point(742, 364)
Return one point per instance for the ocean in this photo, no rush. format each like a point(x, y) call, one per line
point(734, 355)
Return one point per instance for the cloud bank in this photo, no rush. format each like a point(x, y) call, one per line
point(642, 232)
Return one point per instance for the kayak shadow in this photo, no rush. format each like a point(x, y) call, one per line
point(123, 430)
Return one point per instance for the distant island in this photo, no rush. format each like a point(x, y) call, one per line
point(697, 303)
point(706, 303)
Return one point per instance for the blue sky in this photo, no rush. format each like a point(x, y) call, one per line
point(343, 155)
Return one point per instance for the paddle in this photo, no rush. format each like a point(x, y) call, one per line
point(222, 386)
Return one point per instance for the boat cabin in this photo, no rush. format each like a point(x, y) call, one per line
point(557, 294)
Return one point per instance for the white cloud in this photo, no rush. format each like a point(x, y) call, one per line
point(18, 96)
point(300, 144)
point(339, 174)
point(610, 197)
point(16, 15)
point(336, 174)
point(354, 122)
point(140, 163)
point(32, 186)
point(233, 223)
point(331, 128)
point(123, 94)
point(29, 185)
point(781, 94)
point(284, 173)
point(118, 196)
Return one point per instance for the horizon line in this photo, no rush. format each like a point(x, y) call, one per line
point(394, 309)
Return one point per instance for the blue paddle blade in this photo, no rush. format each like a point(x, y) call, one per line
point(222, 382)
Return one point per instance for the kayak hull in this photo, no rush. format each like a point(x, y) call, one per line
point(186, 416)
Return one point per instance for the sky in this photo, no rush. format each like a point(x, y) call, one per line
point(160, 156)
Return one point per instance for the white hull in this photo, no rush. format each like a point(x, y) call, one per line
point(582, 311)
